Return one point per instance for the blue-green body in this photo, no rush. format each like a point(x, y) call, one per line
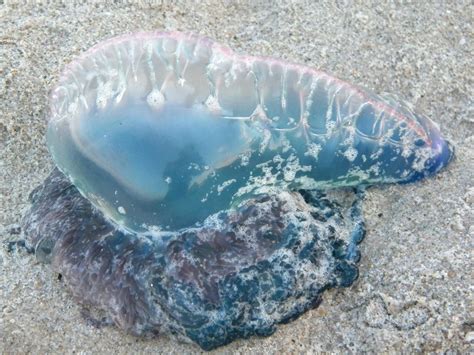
point(182, 129)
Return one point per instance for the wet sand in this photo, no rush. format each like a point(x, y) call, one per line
point(414, 292)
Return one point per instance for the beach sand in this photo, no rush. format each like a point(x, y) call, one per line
point(415, 290)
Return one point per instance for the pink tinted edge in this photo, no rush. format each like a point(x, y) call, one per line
point(227, 51)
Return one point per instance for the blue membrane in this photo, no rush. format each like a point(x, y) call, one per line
point(173, 167)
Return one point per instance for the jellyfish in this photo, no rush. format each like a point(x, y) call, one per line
point(211, 195)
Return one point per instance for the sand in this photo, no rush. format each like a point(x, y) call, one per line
point(415, 290)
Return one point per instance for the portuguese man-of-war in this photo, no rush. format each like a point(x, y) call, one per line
point(210, 195)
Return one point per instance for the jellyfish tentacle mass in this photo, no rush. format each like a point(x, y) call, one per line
point(212, 195)
point(246, 270)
